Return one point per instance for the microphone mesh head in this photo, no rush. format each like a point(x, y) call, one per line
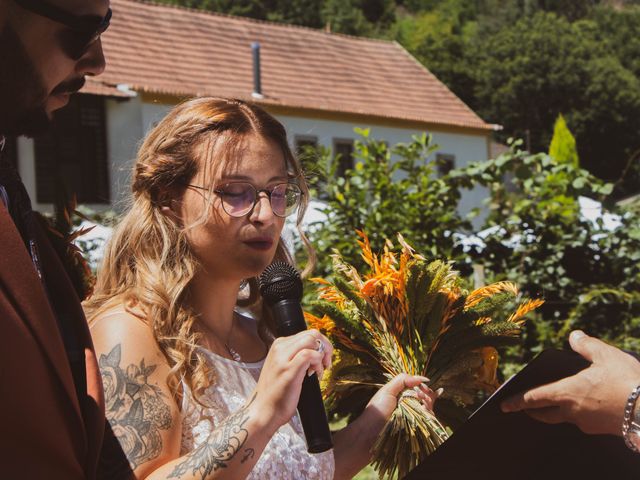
point(280, 281)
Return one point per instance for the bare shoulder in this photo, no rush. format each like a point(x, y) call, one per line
point(131, 332)
point(119, 322)
point(140, 407)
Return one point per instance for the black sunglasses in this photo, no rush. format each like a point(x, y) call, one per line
point(84, 30)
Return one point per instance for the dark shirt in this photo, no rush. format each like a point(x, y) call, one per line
point(16, 199)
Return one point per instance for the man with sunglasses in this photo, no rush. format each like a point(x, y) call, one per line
point(46, 50)
point(51, 406)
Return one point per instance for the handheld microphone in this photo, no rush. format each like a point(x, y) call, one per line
point(281, 289)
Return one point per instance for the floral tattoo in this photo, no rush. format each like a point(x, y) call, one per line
point(221, 447)
point(135, 409)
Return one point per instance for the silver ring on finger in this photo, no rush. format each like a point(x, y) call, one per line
point(320, 348)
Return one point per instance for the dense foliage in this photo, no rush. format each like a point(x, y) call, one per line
point(391, 190)
point(536, 234)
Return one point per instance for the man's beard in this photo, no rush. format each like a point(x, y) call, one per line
point(22, 93)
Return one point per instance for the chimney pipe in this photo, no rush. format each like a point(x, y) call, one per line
point(257, 80)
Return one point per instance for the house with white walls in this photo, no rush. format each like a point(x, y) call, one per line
point(320, 85)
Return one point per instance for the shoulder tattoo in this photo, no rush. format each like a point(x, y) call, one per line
point(136, 410)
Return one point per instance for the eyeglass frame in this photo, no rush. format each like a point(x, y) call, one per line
point(256, 199)
point(91, 25)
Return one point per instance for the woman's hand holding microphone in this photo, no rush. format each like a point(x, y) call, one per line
point(291, 358)
point(288, 361)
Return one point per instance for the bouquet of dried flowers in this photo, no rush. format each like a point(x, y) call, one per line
point(411, 315)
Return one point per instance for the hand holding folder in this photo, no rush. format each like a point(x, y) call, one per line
point(497, 445)
point(594, 399)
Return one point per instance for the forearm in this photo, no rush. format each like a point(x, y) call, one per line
point(230, 452)
point(353, 444)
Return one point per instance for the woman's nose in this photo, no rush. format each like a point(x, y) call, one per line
point(262, 210)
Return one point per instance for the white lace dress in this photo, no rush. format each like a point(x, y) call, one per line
point(284, 458)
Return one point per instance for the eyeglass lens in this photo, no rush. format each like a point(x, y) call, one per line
point(239, 198)
point(81, 32)
point(76, 44)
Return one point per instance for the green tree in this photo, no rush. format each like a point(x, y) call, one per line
point(307, 13)
point(588, 272)
point(570, 9)
point(544, 65)
point(243, 8)
point(359, 17)
point(607, 121)
point(563, 144)
point(344, 16)
point(441, 38)
point(618, 31)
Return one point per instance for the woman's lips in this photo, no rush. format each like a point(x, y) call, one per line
point(261, 244)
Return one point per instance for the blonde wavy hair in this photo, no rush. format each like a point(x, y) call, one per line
point(148, 262)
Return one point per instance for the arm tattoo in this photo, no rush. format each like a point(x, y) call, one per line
point(219, 449)
point(136, 410)
point(248, 453)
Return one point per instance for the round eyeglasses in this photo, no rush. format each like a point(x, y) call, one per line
point(240, 198)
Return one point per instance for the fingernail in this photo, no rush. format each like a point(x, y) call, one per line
point(578, 334)
point(439, 391)
point(424, 379)
point(310, 372)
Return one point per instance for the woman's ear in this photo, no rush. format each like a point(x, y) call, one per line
point(170, 207)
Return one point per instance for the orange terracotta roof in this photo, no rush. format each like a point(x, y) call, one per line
point(172, 50)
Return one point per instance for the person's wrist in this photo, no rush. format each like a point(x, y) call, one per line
point(264, 417)
point(631, 421)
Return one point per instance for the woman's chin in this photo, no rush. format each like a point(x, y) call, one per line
point(256, 265)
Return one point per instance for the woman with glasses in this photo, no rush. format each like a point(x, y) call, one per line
point(193, 388)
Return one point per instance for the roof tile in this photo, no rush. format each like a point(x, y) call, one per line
point(178, 51)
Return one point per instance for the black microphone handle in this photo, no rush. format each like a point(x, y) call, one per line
point(289, 321)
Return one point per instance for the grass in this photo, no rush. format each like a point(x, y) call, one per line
point(367, 474)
